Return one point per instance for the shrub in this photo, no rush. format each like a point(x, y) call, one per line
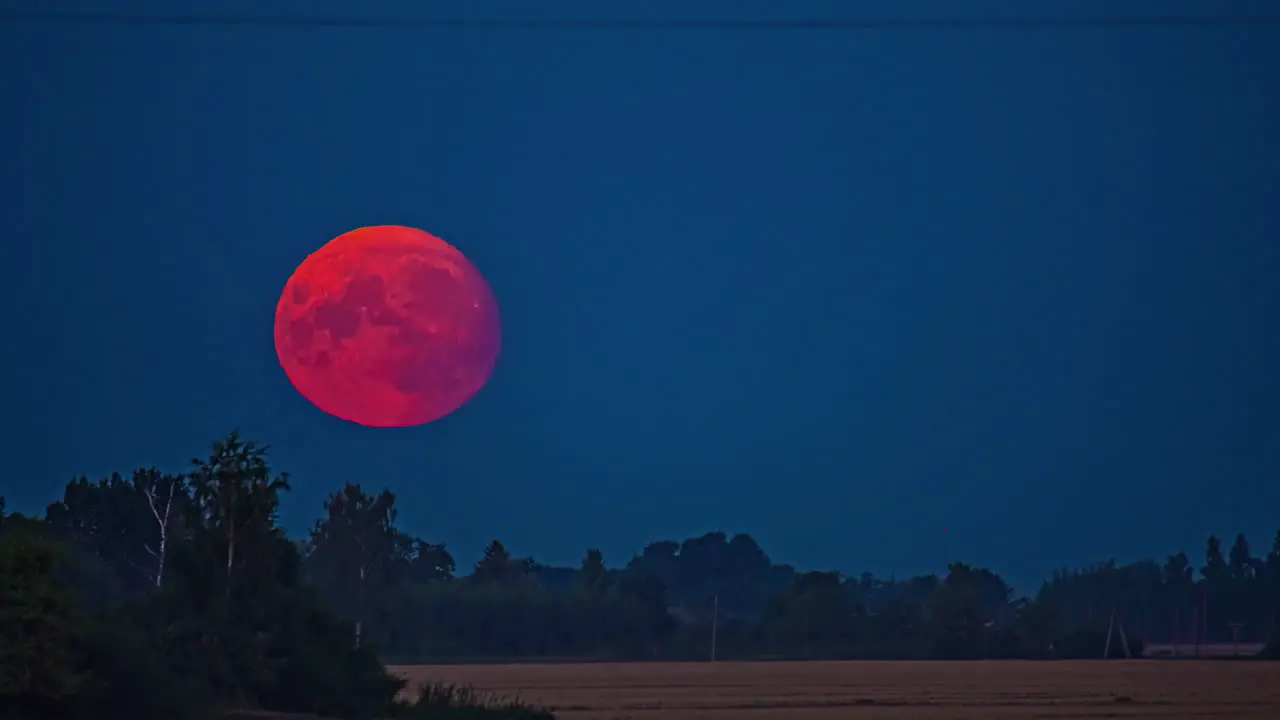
point(461, 702)
point(321, 672)
point(130, 678)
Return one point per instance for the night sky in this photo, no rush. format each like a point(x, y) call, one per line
point(882, 299)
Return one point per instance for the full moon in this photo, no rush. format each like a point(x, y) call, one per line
point(387, 327)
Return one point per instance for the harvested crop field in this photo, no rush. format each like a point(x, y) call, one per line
point(899, 690)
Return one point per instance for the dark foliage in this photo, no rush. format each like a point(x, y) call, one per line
point(174, 597)
point(1271, 651)
point(457, 702)
point(130, 677)
point(171, 596)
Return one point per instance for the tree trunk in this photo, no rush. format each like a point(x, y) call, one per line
point(231, 537)
point(360, 604)
point(231, 546)
point(160, 560)
point(162, 521)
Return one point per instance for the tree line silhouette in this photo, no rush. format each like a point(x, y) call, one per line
point(161, 591)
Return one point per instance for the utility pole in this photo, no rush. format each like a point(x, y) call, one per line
point(1235, 638)
point(1177, 630)
point(1124, 640)
point(1116, 624)
point(1205, 616)
point(715, 621)
point(1195, 628)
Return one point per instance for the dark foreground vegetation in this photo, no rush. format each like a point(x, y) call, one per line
point(177, 596)
point(172, 595)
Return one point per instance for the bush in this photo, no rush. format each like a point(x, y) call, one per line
point(266, 642)
point(321, 672)
point(460, 702)
point(56, 662)
point(130, 678)
point(38, 625)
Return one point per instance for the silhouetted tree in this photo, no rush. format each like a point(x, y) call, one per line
point(817, 617)
point(968, 608)
point(496, 565)
point(110, 523)
point(1271, 583)
point(355, 553)
point(235, 498)
point(1215, 567)
point(37, 622)
point(166, 497)
point(185, 586)
point(593, 576)
point(430, 563)
point(1241, 565)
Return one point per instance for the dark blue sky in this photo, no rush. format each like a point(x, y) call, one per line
point(839, 290)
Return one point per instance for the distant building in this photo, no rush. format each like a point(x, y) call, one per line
point(1210, 650)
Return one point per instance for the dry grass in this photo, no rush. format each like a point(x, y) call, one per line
point(900, 690)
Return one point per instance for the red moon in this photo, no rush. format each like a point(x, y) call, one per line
point(387, 327)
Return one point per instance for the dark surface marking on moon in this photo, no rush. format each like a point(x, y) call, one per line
point(365, 291)
point(419, 375)
point(342, 317)
point(388, 318)
point(301, 331)
point(339, 318)
point(429, 288)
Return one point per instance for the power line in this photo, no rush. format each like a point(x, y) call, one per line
point(423, 23)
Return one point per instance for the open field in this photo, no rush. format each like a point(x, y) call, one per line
point(898, 690)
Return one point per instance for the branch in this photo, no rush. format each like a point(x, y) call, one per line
point(151, 502)
point(145, 572)
point(173, 487)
